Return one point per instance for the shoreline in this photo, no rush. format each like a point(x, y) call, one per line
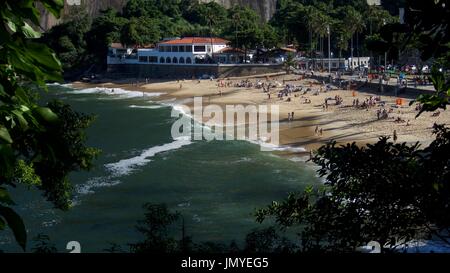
point(341, 123)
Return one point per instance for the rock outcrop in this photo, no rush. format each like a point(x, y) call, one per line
point(265, 8)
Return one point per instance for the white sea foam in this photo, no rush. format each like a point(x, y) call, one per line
point(59, 84)
point(127, 166)
point(267, 146)
point(96, 182)
point(53, 84)
point(180, 109)
point(279, 148)
point(118, 92)
point(298, 159)
point(147, 106)
point(430, 246)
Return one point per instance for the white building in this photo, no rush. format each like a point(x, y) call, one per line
point(178, 51)
point(336, 63)
point(358, 61)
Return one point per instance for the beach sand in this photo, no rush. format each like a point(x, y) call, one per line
point(341, 123)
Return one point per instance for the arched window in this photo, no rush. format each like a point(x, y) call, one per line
point(168, 60)
point(188, 60)
point(181, 60)
point(161, 60)
point(174, 60)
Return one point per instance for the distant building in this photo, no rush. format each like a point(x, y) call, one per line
point(178, 51)
point(374, 2)
point(336, 63)
point(188, 57)
point(118, 50)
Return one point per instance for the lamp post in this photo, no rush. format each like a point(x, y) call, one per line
point(329, 50)
point(385, 53)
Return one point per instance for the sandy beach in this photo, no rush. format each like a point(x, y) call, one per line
point(343, 123)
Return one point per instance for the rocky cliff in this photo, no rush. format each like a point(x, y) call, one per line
point(265, 8)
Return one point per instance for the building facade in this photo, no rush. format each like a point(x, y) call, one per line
point(177, 51)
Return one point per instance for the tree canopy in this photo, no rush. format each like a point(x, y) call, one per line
point(39, 144)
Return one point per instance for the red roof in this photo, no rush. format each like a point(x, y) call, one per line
point(117, 45)
point(195, 40)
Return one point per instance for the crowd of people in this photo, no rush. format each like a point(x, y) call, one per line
point(288, 91)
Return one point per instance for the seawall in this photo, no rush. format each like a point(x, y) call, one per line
point(189, 71)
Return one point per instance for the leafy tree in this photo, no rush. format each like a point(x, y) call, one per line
point(160, 225)
point(381, 192)
point(39, 145)
point(155, 227)
point(43, 245)
point(267, 241)
point(67, 40)
point(105, 29)
point(390, 193)
point(427, 22)
point(289, 63)
point(291, 20)
point(141, 8)
point(140, 31)
point(440, 99)
point(244, 30)
point(207, 14)
point(355, 24)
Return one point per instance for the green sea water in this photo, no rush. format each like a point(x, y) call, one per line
point(216, 185)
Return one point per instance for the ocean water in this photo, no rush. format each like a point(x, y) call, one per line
point(216, 185)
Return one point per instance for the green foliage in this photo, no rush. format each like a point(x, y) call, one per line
point(43, 245)
point(39, 145)
point(105, 29)
point(289, 63)
point(155, 227)
point(306, 22)
point(68, 40)
point(160, 225)
point(244, 30)
point(79, 42)
point(426, 27)
point(12, 219)
point(438, 100)
point(385, 192)
point(267, 241)
point(377, 44)
point(140, 31)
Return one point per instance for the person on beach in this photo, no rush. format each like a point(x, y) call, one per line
point(317, 130)
point(289, 116)
point(292, 115)
point(321, 132)
point(394, 137)
point(181, 86)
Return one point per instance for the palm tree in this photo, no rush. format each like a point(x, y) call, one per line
point(309, 22)
point(375, 18)
point(355, 24)
point(359, 28)
point(237, 22)
point(211, 20)
point(318, 21)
